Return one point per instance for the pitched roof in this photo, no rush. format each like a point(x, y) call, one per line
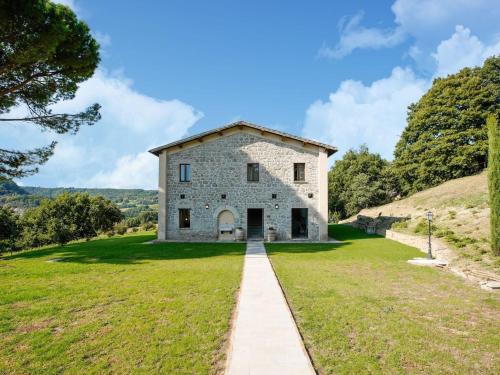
point(329, 149)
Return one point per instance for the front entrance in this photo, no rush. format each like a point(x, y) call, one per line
point(226, 225)
point(299, 222)
point(255, 223)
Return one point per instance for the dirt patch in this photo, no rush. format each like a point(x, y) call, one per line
point(35, 326)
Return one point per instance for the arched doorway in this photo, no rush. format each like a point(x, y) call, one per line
point(225, 223)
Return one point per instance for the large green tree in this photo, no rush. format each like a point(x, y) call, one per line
point(494, 182)
point(45, 52)
point(359, 180)
point(68, 217)
point(446, 135)
point(9, 229)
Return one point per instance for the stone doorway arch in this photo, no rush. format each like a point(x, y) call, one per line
point(225, 225)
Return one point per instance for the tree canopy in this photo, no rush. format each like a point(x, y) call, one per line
point(45, 52)
point(68, 217)
point(446, 135)
point(359, 180)
point(9, 229)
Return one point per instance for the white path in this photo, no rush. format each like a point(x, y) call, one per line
point(265, 339)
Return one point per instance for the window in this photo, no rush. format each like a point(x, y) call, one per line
point(274, 196)
point(184, 172)
point(223, 196)
point(184, 218)
point(253, 172)
point(183, 196)
point(299, 172)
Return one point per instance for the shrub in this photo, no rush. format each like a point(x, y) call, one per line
point(443, 232)
point(494, 182)
point(422, 227)
point(335, 217)
point(133, 222)
point(399, 225)
point(120, 228)
point(452, 214)
point(148, 226)
point(148, 216)
point(458, 241)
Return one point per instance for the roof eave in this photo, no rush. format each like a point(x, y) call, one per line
point(157, 150)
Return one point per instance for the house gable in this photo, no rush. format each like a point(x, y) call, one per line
point(242, 126)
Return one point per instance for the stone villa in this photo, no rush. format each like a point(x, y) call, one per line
point(243, 176)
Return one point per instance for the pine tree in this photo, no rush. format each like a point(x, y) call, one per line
point(45, 52)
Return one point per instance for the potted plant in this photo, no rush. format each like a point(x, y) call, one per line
point(271, 234)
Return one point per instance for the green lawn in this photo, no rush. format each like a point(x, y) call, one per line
point(362, 309)
point(118, 306)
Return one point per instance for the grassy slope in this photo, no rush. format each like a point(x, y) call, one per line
point(117, 305)
point(461, 216)
point(362, 309)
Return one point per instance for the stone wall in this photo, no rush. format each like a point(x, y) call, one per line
point(421, 243)
point(220, 167)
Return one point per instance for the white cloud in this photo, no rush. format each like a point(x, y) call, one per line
point(425, 18)
point(354, 36)
point(130, 171)
point(131, 111)
point(374, 114)
point(103, 39)
point(101, 155)
point(427, 22)
point(460, 50)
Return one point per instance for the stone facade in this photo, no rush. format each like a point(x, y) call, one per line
point(219, 167)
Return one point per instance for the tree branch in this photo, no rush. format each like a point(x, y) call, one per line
point(28, 80)
point(35, 118)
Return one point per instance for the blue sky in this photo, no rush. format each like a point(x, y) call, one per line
point(339, 72)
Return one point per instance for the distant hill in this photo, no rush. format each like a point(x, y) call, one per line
point(130, 201)
point(8, 187)
point(461, 216)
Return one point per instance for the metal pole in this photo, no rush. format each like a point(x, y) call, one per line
point(429, 253)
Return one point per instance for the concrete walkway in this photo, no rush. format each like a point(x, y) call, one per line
point(265, 339)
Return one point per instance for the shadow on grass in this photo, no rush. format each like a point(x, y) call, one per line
point(130, 250)
point(344, 232)
point(340, 232)
point(303, 247)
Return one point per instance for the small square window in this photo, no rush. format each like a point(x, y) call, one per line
point(183, 196)
point(184, 172)
point(275, 196)
point(223, 196)
point(310, 195)
point(253, 172)
point(299, 172)
point(184, 218)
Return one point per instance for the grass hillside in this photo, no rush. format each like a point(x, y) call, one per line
point(461, 217)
